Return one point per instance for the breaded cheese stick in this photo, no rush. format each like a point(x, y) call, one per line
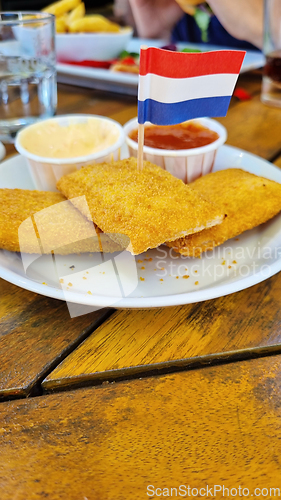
point(43, 222)
point(149, 206)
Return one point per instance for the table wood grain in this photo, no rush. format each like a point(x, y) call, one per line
point(241, 325)
point(36, 333)
point(202, 426)
point(277, 162)
point(211, 426)
point(208, 330)
point(254, 127)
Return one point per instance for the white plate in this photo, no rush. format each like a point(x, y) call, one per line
point(254, 257)
point(128, 83)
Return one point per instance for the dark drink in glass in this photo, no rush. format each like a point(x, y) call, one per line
point(271, 86)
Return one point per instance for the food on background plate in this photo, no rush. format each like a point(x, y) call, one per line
point(247, 200)
point(126, 63)
point(93, 24)
point(61, 24)
point(51, 139)
point(148, 206)
point(76, 13)
point(61, 7)
point(70, 16)
point(187, 135)
point(27, 215)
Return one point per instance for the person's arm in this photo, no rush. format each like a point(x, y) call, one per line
point(243, 19)
point(155, 18)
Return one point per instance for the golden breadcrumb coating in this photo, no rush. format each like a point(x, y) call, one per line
point(247, 200)
point(61, 228)
point(148, 206)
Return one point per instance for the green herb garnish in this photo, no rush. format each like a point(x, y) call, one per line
point(202, 18)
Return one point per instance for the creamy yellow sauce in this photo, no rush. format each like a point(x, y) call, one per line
point(51, 140)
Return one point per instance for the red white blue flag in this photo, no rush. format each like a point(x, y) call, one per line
point(179, 86)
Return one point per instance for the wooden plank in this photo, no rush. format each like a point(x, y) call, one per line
point(124, 107)
point(10, 151)
point(124, 115)
point(212, 426)
point(277, 162)
point(250, 81)
point(89, 101)
point(240, 325)
point(255, 127)
point(36, 333)
point(70, 98)
point(113, 108)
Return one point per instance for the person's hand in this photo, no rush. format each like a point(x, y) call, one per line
point(155, 18)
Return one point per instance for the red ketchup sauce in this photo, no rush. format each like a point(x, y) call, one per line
point(186, 135)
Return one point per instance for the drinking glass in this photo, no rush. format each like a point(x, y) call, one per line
point(28, 89)
point(271, 82)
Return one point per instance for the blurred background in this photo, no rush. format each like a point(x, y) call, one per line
point(116, 10)
point(40, 4)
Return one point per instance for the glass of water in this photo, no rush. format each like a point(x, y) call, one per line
point(28, 89)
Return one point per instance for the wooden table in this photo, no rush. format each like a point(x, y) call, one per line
point(115, 404)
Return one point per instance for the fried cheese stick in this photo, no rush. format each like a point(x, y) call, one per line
point(148, 206)
point(247, 200)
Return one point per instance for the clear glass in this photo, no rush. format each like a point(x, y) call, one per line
point(28, 89)
point(271, 82)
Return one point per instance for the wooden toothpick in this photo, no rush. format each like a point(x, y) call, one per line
point(140, 132)
point(140, 146)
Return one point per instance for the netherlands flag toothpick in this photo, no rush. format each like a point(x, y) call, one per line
point(179, 86)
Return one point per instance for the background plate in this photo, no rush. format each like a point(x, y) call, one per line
point(159, 277)
point(104, 79)
point(92, 46)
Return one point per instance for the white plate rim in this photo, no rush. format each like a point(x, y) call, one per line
point(141, 302)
